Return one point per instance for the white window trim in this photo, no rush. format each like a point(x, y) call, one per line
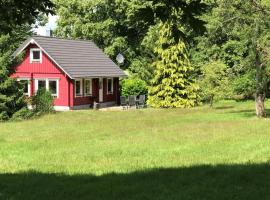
point(89, 92)
point(108, 87)
point(57, 86)
point(29, 85)
point(32, 60)
point(47, 85)
point(81, 88)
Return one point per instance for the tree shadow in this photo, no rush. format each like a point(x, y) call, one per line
point(248, 113)
point(241, 182)
point(223, 107)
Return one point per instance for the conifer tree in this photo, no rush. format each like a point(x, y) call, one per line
point(172, 85)
point(11, 94)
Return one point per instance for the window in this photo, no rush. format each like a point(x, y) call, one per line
point(53, 87)
point(78, 87)
point(88, 87)
point(35, 56)
point(109, 85)
point(41, 84)
point(49, 84)
point(26, 86)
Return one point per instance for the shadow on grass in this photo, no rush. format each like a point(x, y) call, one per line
point(242, 182)
point(223, 107)
point(249, 113)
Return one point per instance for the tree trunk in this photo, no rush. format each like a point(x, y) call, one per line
point(259, 103)
point(211, 101)
point(260, 89)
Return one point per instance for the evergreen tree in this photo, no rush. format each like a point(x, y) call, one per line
point(172, 85)
point(11, 95)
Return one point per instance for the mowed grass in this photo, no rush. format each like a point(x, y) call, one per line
point(200, 153)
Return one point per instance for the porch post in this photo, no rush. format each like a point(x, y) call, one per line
point(100, 92)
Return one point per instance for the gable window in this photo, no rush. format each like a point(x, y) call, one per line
point(35, 55)
point(88, 87)
point(51, 85)
point(78, 87)
point(109, 86)
point(26, 86)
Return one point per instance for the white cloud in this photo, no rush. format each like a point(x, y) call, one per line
point(41, 30)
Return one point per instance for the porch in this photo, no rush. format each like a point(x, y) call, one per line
point(88, 92)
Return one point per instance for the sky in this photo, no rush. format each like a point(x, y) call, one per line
point(41, 30)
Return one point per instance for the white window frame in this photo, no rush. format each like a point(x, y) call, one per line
point(32, 60)
point(47, 85)
point(108, 85)
point(29, 85)
point(57, 86)
point(81, 88)
point(88, 93)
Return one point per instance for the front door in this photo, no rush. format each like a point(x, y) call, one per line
point(100, 89)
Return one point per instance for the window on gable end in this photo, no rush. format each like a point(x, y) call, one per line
point(35, 55)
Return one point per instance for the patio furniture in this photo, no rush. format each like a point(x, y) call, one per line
point(141, 101)
point(123, 102)
point(132, 101)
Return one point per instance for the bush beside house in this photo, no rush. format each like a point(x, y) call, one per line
point(133, 86)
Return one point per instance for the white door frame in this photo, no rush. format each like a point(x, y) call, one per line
point(100, 89)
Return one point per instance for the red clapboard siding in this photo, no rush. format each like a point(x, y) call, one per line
point(46, 69)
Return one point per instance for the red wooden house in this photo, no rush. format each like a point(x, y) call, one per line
point(76, 72)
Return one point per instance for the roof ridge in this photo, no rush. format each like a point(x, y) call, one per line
point(62, 38)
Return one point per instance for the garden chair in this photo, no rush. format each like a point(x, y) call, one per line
point(123, 102)
point(132, 101)
point(141, 102)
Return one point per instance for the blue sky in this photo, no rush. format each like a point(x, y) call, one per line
point(41, 30)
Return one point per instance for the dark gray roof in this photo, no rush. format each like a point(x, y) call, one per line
point(77, 58)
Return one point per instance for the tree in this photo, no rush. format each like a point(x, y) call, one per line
point(11, 95)
point(238, 35)
point(127, 26)
point(15, 25)
point(14, 13)
point(172, 85)
point(214, 83)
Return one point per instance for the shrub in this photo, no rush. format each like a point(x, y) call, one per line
point(215, 83)
point(42, 102)
point(133, 86)
point(23, 114)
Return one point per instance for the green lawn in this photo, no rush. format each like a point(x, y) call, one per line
point(189, 154)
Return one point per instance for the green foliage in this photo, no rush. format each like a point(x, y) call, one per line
point(172, 85)
point(238, 34)
point(133, 86)
point(42, 102)
point(214, 83)
point(11, 95)
point(126, 27)
point(244, 86)
point(23, 114)
point(16, 18)
point(18, 13)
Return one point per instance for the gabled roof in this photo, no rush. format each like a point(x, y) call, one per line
point(77, 58)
